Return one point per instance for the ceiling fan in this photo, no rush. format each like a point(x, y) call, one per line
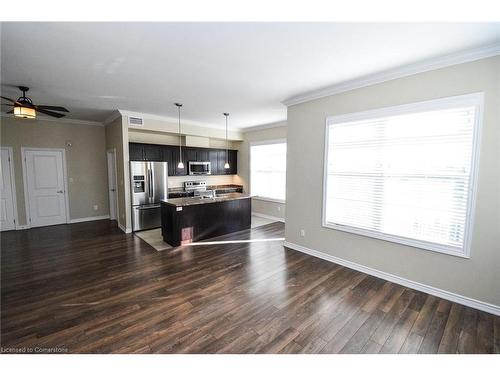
point(24, 107)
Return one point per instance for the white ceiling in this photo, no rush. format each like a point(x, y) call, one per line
point(247, 69)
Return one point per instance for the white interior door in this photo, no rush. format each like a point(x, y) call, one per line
point(45, 185)
point(112, 185)
point(7, 210)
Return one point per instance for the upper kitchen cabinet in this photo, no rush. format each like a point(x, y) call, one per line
point(233, 162)
point(196, 154)
point(136, 152)
point(153, 152)
point(213, 158)
point(232, 159)
point(170, 154)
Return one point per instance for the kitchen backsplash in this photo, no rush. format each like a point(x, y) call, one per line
point(178, 181)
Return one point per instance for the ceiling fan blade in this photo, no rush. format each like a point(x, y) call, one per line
point(10, 112)
point(50, 113)
point(52, 108)
point(9, 99)
point(10, 105)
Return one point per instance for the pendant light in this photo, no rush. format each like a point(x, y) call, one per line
point(226, 166)
point(181, 164)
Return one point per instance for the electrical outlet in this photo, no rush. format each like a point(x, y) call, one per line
point(71, 179)
point(279, 208)
point(302, 233)
point(96, 207)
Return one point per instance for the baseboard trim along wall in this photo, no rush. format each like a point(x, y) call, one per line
point(90, 218)
point(124, 230)
point(470, 302)
point(275, 218)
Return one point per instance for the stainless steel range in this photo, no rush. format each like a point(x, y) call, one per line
point(199, 188)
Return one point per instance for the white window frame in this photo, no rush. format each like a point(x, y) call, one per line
point(260, 143)
point(475, 99)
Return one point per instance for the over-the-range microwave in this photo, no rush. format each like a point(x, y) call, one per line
point(199, 167)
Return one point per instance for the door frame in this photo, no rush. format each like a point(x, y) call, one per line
point(13, 184)
point(117, 209)
point(25, 180)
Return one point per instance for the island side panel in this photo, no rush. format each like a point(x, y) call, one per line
point(206, 220)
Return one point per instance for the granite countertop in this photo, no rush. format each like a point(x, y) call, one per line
point(190, 201)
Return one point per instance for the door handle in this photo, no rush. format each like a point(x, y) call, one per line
point(112, 189)
point(60, 191)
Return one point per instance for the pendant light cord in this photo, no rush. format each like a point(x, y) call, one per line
point(226, 114)
point(179, 105)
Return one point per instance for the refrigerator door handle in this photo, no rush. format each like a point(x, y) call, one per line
point(152, 182)
point(149, 182)
point(148, 207)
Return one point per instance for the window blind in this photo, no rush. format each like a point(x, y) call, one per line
point(268, 170)
point(406, 176)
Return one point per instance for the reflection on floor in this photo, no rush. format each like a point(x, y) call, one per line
point(258, 221)
point(153, 237)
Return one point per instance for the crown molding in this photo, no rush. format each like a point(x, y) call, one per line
point(278, 124)
point(61, 120)
point(402, 71)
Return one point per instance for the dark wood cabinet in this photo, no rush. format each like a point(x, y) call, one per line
point(233, 162)
point(135, 151)
point(232, 159)
point(173, 158)
point(189, 155)
point(221, 160)
point(170, 154)
point(213, 158)
point(202, 155)
point(153, 152)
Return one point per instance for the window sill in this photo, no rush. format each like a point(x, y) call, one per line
point(448, 250)
point(269, 199)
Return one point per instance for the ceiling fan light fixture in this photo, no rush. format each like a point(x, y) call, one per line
point(24, 112)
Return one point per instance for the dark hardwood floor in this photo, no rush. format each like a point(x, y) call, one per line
point(89, 288)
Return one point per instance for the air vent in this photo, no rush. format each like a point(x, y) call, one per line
point(135, 121)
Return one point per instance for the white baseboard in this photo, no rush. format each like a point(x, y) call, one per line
point(125, 230)
point(23, 227)
point(90, 218)
point(275, 218)
point(479, 305)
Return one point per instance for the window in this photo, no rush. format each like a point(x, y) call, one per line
point(405, 174)
point(268, 170)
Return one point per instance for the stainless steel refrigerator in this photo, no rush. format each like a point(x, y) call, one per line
point(149, 185)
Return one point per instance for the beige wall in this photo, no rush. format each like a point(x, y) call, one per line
point(158, 125)
point(86, 161)
point(477, 277)
point(259, 206)
point(162, 138)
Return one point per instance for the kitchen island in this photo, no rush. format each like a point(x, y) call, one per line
point(191, 219)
